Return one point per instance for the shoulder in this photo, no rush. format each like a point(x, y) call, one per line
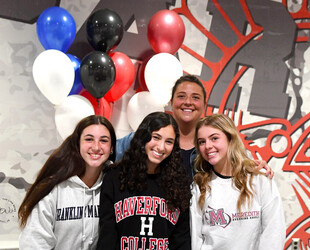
point(112, 174)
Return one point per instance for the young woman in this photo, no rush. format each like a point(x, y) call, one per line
point(188, 102)
point(61, 208)
point(144, 201)
point(233, 205)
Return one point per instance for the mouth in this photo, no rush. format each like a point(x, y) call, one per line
point(156, 154)
point(188, 110)
point(210, 155)
point(95, 156)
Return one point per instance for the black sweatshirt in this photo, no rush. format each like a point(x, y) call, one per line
point(139, 222)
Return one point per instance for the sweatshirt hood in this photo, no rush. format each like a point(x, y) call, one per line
point(78, 183)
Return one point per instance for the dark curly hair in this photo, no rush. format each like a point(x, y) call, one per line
point(133, 168)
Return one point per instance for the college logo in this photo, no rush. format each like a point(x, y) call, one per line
point(217, 217)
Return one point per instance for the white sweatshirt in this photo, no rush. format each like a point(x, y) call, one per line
point(220, 226)
point(67, 218)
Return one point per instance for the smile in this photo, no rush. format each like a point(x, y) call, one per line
point(95, 156)
point(187, 110)
point(211, 154)
point(157, 154)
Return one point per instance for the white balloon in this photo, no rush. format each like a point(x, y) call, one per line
point(68, 114)
point(160, 74)
point(53, 73)
point(139, 106)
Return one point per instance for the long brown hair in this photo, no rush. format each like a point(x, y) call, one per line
point(65, 162)
point(243, 167)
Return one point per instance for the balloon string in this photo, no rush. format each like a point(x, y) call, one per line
point(98, 102)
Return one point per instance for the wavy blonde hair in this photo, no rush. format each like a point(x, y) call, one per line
point(243, 167)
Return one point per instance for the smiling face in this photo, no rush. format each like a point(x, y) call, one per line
point(188, 103)
point(213, 146)
point(95, 145)
point(159, 147)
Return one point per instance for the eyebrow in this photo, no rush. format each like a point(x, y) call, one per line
point(200, 138)
point(170, 138)
point(103, 136)
point(184, 92)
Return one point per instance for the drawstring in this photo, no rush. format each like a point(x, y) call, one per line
point(92, 221)
point(83, 220)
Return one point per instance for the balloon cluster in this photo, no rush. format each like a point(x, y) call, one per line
point(79, 88)
point(165, 33)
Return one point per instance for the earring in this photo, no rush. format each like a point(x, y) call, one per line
point(111, 152)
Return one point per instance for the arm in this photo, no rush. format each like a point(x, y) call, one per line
point(122, 145)
point(195, 219)
point(107, 225)
point(273, 222)
point(263, 165)
point(38, 232)
point(180, 238)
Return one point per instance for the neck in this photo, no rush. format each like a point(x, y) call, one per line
point(91, 176)
point(152, 168)
point(187, 135)
point(223, 169)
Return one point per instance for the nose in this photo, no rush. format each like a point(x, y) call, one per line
point(161, 145)
point(96, 145)
point(188, 100)
point(208, 144)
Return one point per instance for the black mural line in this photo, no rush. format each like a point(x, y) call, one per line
point(24, 11)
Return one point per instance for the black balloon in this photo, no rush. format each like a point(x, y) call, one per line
point(97, 71)
point(104, 30)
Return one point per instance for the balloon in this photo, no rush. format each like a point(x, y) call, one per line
point(53, 73)
point(160, 74)
point(104, 30)
point(101, 107)
point(140, 105)
point(166, 32)
point(97, 73)
point(77, 84)
point(56, 29)
point(125, 74)
point(67, 115)
point(141, 78)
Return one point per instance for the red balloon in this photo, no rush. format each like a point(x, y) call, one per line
point(141, 78)
point(165, 32)
point(101, 107)
point(125, 74)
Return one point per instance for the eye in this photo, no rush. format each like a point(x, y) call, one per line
point(104, 140)
point(88, 139)
point(155, 137)
point(181, 96)
point(214, 138)
point(170, 142)
point(200, 142)
point(196, 97)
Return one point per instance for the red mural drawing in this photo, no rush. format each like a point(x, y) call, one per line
point(294, 153)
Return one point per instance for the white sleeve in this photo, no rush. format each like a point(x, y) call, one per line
point(273, 221)
point(39, 230)
point(195, 219)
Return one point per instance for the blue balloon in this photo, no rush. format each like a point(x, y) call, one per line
point(77, 85)
point(56, 29)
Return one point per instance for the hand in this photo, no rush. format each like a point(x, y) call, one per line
point(263, 164)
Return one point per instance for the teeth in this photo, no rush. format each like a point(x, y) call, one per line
point(95, 156)
point(212, 154)
point(187, 110)
point(156, 153)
